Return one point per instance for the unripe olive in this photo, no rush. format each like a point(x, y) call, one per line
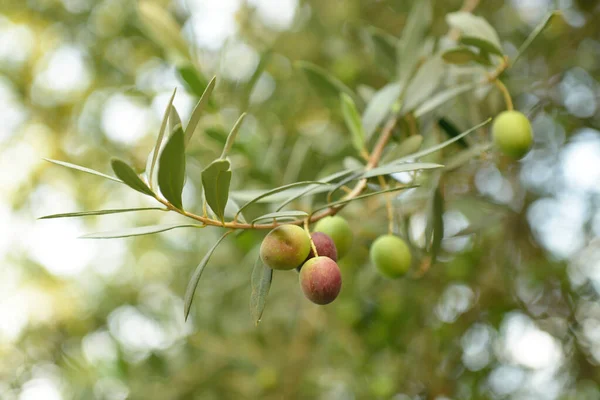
point(285, 247)
point(325, 247)
point(321, 280)
point(339, 230)
point(391, 255)
point(512, 133)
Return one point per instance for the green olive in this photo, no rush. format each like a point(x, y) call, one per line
point(339, 230)
point(391, 255)
point(512, 133)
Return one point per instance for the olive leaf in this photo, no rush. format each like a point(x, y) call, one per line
point(535, 33)
point(232, 135)
point(195, 278)
point(100, 212)
point(129, 177)
point(353, 122)
point(216, 179)
point(288, 214)
point(260, 282)
point(159, 140)
point(475, 31)
point(83, 169)
point(139, 231)
point(197, 113)
point(380, 106)
point(441, 97)
point(324, 82)
point(171, 169)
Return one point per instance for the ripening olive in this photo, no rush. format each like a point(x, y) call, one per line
point(325, 247)
point(285, 247)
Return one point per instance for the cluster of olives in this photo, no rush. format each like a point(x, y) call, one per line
point(288, 247)
point(512, 133)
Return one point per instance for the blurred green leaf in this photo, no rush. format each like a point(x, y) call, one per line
point(459, 55)
point(100, 212)
point(466, 155)
point(380, 107)
point(270, 193)
point(385, 46)
point(396, 168)
point(129, 177)
point(194, 81)
point(216, 179)
point(436, 224)
point(451, 130)
point(440, 146)
point(232, 135)
point(535, 33)
point(83, 169)
point(363, 196)
point(327, 84)
point(289, 214)
point(424, 83)
point(163, 29)
point(475, 31)
point(197, 113)
point(408, 146)
point(418, 22)
point(262, 276)
point(139, 231)
point(171, 169)
point(441, 97)
point(195, 278)
point(352, 119)
point(159, 140)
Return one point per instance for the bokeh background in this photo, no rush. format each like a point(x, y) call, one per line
point(511, 310)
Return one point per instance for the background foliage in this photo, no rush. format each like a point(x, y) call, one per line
point(509, 310)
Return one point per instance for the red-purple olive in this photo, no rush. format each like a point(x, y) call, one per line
point(325, 247)
point(321, 280)
point(285, 247)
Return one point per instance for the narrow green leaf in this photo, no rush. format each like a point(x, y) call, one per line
point(385, 46)
point(440, 146)
point(232, 135)
point(353, 122)
point(159, 139)
point(437, 222)
point(163, 29)
point(174, 120)
point(139, 231)
point(193, 79)
point(314, 189)
point(195, 278)
point(197, 113)
point(459, 55)
point(290, 214)
point(466, 155)
point(327, 84)
point(363, 196)
point(83, 169)
point(380, 107)
point(129, 177)
point(451, 130)
point(262, 276)
point(408, 146)
point(250, 194)
point(278, 190)
point(535, 33)
point(475, 31)
point(441, 97)
point(425, 81)
point(100, 212)
point(171, 169)
point(418, 22)
point(216, 179)
point(396, 168)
